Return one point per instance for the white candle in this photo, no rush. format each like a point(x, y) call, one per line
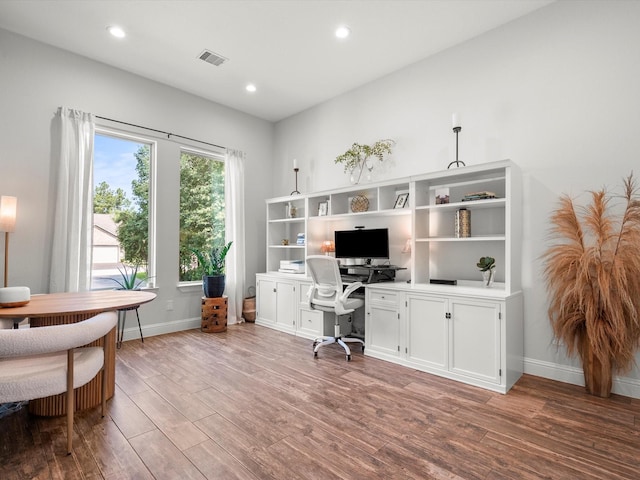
point(295, 163)
point(455, 120)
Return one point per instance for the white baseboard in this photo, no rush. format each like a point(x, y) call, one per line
point(629, 387)
point(131, 331)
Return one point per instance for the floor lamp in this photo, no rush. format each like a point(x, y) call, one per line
point(7, 224)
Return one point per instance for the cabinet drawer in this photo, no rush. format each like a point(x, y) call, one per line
point(311, 322)
point(384, 297)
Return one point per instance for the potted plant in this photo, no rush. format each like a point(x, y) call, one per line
point(357, 157)
point(487, 266)
point(593, 277)
point(130, 278)
point(212, 264)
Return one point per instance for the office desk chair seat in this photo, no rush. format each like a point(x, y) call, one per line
point(327, 294)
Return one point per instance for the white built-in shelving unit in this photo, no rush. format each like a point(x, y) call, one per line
point(432, 327)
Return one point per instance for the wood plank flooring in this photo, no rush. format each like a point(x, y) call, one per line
point(252, 403)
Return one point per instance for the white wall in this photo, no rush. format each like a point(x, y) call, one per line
point(555, 91)
point(35, 80)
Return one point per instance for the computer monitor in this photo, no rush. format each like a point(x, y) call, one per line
point(362, 243)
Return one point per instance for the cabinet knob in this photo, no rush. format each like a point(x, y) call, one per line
point(274, 290)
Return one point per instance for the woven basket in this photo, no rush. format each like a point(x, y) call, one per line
point(359, 203)
point(249, 309)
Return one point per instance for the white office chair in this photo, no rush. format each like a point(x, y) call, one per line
point(327, 294)
point(44, 361)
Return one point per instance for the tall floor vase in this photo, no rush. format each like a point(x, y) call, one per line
point(598, 376)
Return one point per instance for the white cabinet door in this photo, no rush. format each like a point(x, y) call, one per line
point(474, 339)
point(266, 301)
point(427, 330)
point(286, 304)
point(382, 330)
point(276, 303)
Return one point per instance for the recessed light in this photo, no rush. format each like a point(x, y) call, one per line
point(343, 31)
point(116, 31)
point(251, 88)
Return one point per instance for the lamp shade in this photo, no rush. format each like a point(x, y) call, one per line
point(327, 246)
point(8, 213)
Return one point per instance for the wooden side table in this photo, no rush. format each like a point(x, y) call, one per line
point(214, 314)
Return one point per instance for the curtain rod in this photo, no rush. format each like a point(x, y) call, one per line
point(168, 134)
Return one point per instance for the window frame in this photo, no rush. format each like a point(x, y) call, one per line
point(215, 155)
point(152, 232)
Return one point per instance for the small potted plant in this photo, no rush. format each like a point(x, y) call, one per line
point(130, 279)
point(487, 266)
point(212, 264)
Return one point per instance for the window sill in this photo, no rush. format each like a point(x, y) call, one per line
point(190, 287)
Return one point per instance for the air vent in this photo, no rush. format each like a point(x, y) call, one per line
point(212, 58)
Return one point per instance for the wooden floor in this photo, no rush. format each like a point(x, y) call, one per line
point(253, 403)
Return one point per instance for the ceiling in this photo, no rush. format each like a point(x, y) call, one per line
point(287, 48)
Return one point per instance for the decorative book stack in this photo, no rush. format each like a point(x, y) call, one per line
point(478, 196)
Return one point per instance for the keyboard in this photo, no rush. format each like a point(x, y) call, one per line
point(353, 278)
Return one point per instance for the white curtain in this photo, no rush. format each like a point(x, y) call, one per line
point(72, 226)
point(234, 230)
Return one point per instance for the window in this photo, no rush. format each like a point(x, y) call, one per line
point(122, 242)
point(202, 208)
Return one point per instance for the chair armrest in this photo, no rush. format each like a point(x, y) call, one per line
point(310, 293)
point(350, 289)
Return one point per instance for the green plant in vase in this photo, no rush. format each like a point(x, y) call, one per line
point(357, 157)
point(487, 266)
point(212, 264)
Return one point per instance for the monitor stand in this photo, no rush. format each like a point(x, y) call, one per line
point(372, 273)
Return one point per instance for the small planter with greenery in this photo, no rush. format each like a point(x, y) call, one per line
point(487, 266)
point(130, 277)
point(212, 264)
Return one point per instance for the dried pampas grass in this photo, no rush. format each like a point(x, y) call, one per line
point(593, 277)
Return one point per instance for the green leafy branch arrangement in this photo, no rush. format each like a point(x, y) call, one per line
point(357, 157)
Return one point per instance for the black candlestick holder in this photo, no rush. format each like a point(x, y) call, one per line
point(457, 162)
point(296, 192)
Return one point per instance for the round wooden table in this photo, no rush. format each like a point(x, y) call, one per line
point(61, 308)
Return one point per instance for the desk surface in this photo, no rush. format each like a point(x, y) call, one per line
point(59, 304)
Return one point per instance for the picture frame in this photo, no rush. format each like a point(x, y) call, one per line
point(401, 200)
point(323, 209)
